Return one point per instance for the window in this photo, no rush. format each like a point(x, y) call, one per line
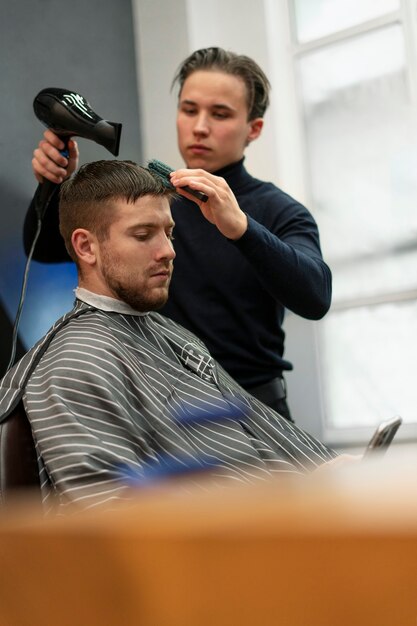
point(355, 64)
point(318, 18)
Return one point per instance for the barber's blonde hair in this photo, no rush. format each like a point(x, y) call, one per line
point(218, 59)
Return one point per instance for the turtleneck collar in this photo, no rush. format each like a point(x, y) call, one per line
point(235, 174)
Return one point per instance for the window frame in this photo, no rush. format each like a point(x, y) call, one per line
point(406, 17)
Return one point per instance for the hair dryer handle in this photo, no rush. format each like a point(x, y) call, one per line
point(47, 189)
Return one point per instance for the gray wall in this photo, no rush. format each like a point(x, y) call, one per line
point(86, 46)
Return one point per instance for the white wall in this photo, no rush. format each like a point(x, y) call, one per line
point(167, 31)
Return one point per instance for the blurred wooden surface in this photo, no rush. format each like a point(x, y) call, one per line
point(334, 549)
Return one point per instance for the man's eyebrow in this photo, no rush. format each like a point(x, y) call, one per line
point(141, 225)
point(220, 105)
point(148, 225)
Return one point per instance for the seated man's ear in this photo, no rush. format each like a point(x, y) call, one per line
point(85, 246)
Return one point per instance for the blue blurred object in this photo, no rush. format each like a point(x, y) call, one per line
point(237, 411)
point(164, 467)
point(167, 466)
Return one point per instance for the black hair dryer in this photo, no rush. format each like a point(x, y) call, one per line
point(69, 114)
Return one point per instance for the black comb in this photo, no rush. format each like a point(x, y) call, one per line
point(163, 171)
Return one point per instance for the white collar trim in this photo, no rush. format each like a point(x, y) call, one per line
point(105, 303)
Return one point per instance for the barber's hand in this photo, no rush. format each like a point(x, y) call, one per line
point(48, 162)
point(221, 208)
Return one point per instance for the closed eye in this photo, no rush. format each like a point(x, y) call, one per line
point(220, 115)
point(188, 110)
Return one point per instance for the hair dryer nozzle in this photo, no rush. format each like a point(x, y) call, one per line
point(109, 134)
point(69, 114)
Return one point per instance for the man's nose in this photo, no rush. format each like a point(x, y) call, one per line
point(201, 126)
point(166, 249)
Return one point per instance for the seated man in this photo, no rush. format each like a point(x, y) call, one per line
point(105, 387)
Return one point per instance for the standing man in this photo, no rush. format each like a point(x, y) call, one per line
point(247, 254)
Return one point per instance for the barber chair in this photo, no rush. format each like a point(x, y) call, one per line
point(18, 465)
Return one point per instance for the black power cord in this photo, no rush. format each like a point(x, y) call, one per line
point(22, 295)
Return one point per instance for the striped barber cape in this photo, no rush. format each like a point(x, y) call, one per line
point(105, 389)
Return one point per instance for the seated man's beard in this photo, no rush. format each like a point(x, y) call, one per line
point(136, 293)
point(141, 301)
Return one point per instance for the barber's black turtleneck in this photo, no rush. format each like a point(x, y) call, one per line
point(233, 294)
